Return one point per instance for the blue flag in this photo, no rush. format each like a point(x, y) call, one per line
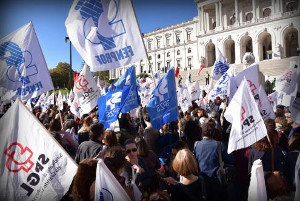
point(111, 104)
point(162, 106)
point(129, 79)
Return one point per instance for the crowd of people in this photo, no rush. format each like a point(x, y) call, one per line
point(179, 161)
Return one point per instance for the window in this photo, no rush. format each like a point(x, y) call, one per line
point(291, 6)
point(120, 72)
point(232, 20)
point(177, 39)
point(168, 64)
point(149, 45)
point(249, 17)
point(168, 54)
point(267, 12)
point(158, 43)
point(168, 41)
point(178, 63)
point(214, 25)
point(158, 56)
point(188, 36)
point(178, 52)
point(190, 62)
point(189, 50)
point(158, 66)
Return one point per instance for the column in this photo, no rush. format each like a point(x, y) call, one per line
point(273, 7)
point(202, 19)
point(217, 15)
point(220, 13)
point(207, 22)
point(254, 10)
point(236, 11)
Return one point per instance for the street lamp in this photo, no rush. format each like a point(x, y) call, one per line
point(70, 73)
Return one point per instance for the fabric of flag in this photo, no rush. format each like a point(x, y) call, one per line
point(251, 74)
point(264, 105)
point(177, 72)
point(71, 97)
point(257, 189)
point(162, 106)
point(157, 75)
point(287, 82)
point(184, 99)
point(111, 104)
point(247, 124)
point(86, 90)
point(200, 69)
point(220, 67)
point(59, 101)
point(34, 166)
point(129, 79)
point(194, 90)
point(105, 33)
point(221, 88)
point(297, 179)
point(24, 73)
point(107, 186)
point(50, 99)
point(75, 107)
point(28, 105)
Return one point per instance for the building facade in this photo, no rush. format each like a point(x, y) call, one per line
point(269, 29)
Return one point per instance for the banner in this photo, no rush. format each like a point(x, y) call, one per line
point(86, 90)
point(106, 185)
point(220, 67)
point(265, 106)
point(257, 189)
point(247, 124)
point(129, 79)
point(195, 90)
point(110, 105)
point(184, 99)
point(33, 165)
point(251, 74)
point(221, 88)
point(105, 33)
point(24, 72)
point(162, 106)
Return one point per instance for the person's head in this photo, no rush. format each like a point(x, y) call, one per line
point(83, 186)
point(177, 146)
point(110, 138)
point(58, 137)
point(209, 128)
point(69, 123)
point(192, 131)
point(248, 58)
point(142, 148)
point(114, 159)
point(185, 163)
point(202, 113)
point(145, 114)
point(96, 132)
point(272, 133)
point(130, 148)
point(280, 110)
point(87, 122)
point(54, 125)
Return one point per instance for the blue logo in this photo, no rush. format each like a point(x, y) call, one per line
point(19, 64)
point(102, 13)
point(106, 195)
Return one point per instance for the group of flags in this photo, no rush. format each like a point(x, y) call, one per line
point(106, 35)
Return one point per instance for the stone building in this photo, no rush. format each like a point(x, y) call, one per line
point(269, 29)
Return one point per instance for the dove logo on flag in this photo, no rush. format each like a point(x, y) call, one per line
point(115, 99)
point(19, 158)
point(104, 13)
point(162, 90)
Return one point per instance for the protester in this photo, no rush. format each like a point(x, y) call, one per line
point(192, 132)
point(109, 140)
point(90, 149)
point(83, 133)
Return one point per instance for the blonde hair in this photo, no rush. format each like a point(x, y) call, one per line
point(87, 122)
point(185, 163)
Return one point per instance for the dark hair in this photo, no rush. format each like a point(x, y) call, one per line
point(142, 148)
point(55, 125)
point(294, 142)
point(192, 131)
point(209, 127)
point(178, 145)
point(95, 131)
point(129, 141)
point(58, 137)
point(114, 159)
point(145, 114)
point(84, 178)
point(110, 138)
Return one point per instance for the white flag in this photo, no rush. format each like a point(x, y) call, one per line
point(105, 33)
point(184, 99)
point(42, 100)
point(195, 90)
point(28, 104)
point(106, 186)
point(86, 90)
point(71, 97)
point(264, 105)
point(24, 72)
point(286, 82)
point(59, 101)
point(247, 124)
point(257, 189)
point(34, 166)
point(75, 107)
point(50, 100)
point(251, 74)
point(221, 88)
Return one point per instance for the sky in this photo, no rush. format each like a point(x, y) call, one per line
point(48, 18)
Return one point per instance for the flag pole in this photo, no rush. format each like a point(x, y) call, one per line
point(143, 43)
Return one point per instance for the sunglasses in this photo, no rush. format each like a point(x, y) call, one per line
point(131, 150)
